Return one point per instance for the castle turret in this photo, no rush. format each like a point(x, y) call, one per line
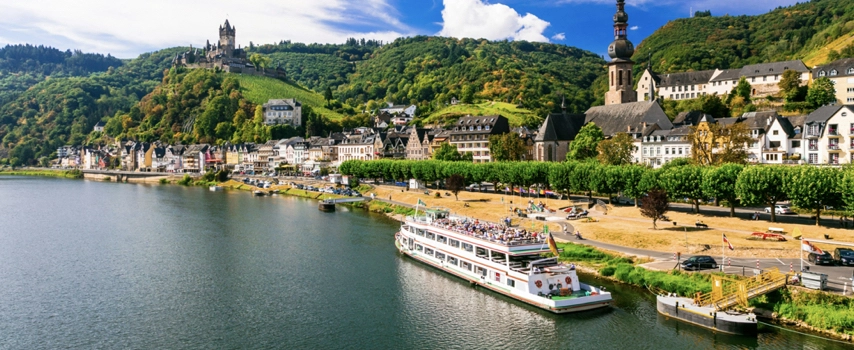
point(227, 35)
point(620, 68)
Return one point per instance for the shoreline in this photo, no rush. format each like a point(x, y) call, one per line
point(398, 213)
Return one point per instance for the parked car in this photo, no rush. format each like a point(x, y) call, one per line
point(699, 262)
point(820, 259)
point(779, 209)
point(843, 256)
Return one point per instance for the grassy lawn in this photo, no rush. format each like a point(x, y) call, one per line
point(514, 115)
point(261, 89)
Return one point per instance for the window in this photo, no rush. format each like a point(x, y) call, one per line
point(850, 90)
point(440, 256)
point(833, 72)
point(813, 158)
point(468, 247)
point(850, 70)
point(821, 74)
point(796, 143)
point(765, 78)
point(753, 80)
point(775, 132)
point(511, 283)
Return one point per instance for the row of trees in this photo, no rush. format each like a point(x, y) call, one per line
point(807, 187)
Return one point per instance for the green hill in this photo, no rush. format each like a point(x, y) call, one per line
point(259, 90)
point(794, 32)
point(515, 115)
point(431, 70)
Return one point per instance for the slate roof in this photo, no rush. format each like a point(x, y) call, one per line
point(635, 117)
point(688, 118)
point(497, 124)
point(759, 120)
point(728, 74)
point(842, 66)
point(755, 70)
point(822, 114)
point(686, 78)
point(560, 127)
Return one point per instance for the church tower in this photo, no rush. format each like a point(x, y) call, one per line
point(226, 39)
point(620, 86)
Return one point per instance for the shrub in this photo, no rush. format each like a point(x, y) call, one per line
point(186, 180)
point(607, 271)
point(164, 181)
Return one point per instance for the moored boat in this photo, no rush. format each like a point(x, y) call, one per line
point(506, 261)
point(215, 188)
point(259, 193)
point(326, 205)
point(684, 309)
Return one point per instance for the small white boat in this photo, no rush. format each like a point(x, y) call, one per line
point(215, 188)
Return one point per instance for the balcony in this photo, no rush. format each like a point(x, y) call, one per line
point(773, 149)
point(832, 132)
point(833, 147)
point(813, 147)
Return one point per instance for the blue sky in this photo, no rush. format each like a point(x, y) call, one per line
point(126, 29)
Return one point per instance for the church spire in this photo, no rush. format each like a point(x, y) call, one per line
point(620, 68)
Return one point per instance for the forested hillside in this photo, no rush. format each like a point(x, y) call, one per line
point(429, 71)
point(709, 42)
point(62, 110)
point(22, 66)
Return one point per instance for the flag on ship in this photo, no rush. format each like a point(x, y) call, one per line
point(421, 203)
point(809, 247)
point(552, 244)
point(728, 243)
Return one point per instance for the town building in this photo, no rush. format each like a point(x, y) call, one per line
point(828, 134)
point(841, 73)
point(687, 85)
point(636, 119)
point(551, 144)
point(283, 111)
point(471, 134)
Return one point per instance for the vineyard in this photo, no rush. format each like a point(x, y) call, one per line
point(260, 89)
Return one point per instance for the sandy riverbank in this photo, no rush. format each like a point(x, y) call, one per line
point(623, 225)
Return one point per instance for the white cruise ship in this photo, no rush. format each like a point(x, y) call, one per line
point(506, 261)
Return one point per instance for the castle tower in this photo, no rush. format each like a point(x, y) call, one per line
point(226, 39)
point(620, 86)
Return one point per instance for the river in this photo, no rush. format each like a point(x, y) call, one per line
point(87, 264)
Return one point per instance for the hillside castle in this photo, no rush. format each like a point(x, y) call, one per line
point(225, 56)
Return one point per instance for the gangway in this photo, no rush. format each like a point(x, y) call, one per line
point(728, 292)
point(345, 200)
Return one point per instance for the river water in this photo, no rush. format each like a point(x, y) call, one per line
point(104, 265)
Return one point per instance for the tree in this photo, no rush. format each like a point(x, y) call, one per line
point(617, 150)
point(585, 143)
point(821, 92)
point(789, 84)
point(447, 152)
point(506, 147)
point(654, 205)
point(455, 183)
point(327, 95)
point(846, 186)
point(811, 187)
point(684, 181)
point(742, 89)
point(762, 185)
point(715, 143)
point(259, 61)
point(719, 183)
point(632, 175)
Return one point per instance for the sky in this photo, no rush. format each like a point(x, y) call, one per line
point(129, 28)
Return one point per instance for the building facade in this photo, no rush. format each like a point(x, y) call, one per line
point(283, 111)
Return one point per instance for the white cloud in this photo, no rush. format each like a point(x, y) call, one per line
point(634, 28)
point(559, 36)
point(479, 19)
point(127, 28)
